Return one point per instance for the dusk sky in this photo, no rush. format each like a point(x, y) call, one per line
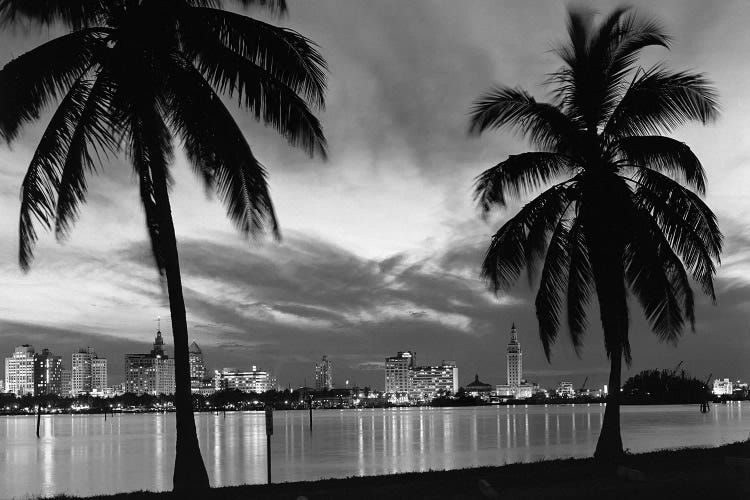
point(381, 244)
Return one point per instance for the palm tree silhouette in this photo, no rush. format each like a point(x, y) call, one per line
point(622, 213)
point(134, 76)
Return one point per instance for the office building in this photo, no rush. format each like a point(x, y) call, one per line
point(565, 390)
point(723, 387)
point(324, 375)
point(252, 380)
point(65, 378)
point(98, 376)
point(429, 382)
point(199, 384)
point(48, 376)
point(397, 376)
point(151, 373)
point(197, 366)
point(19, 371)
point(88, 373)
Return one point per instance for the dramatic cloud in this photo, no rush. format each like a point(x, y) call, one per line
point(382, 244)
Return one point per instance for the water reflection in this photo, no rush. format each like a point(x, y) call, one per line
point(83, 455)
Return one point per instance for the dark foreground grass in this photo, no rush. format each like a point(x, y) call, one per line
point(672, 474)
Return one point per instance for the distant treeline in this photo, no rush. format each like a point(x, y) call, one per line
point(665, 387)
point(10, 403)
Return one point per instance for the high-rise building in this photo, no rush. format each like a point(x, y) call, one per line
point(514, 357)
point(98, 376)
point(48, 374)
point(88, 373)
point(65, 380)
point(246, 381)
point(397, 377)
point(19, 371)
point(324, 374)
point(151, 373)
point(197, 367)
point(515, 387)
point(429, 382)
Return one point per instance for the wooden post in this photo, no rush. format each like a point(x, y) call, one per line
point(38, 418)
point(269, 433)
point(310, 405)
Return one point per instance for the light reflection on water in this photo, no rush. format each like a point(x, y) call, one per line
point(83, 455)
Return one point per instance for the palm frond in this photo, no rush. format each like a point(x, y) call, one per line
point(542, 123)
point(552, 286)
point(276, 6)
point(92, 137)
point(271, 101)
point(42, 180)
point(73, 13)
point(665, 155)
point(658, 279)
point(220, 153)
point(580, 285)
point(32, 81)
point(287, 55)
point(517, 176)
point(660, 100)
point(543, 225)
point(627, 39)
point(507, 254)
point(689, 226)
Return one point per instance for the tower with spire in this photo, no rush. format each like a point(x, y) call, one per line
point(158, 349)
point(514, 357)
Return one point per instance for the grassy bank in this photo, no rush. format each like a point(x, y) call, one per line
point(679, 474)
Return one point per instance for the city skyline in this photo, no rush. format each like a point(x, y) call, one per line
point(510, 372)
point(345, 279)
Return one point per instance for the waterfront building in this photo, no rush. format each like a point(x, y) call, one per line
point(151, 373)
point(65, 377)
point(479, 389)
point(48, 374)
point(197, 365)
point(723, 387)
point(324, 375)
point(198, 381)
point(397, 376)
point(515, 387)
point(565, 390)
point(99, 376)
point(19, 371)
point(429, 382)
point(514, 357)
point(88, 373)
point(253, 380)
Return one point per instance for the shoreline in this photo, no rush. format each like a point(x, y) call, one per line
point(394, 407)
point(676, 473)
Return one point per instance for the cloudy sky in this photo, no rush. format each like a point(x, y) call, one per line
point(382, 244)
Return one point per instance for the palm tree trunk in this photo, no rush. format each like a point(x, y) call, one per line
point(189, 470)
point(609, 446)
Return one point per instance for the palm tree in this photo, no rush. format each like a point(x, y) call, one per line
point(622, 212)
point(135, 76)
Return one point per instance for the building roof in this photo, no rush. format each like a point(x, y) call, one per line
point(195, 349)
point(477, 383)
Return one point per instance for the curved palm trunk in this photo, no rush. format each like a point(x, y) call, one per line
point(189, 470)
point(609, 445)
point(605, 234)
